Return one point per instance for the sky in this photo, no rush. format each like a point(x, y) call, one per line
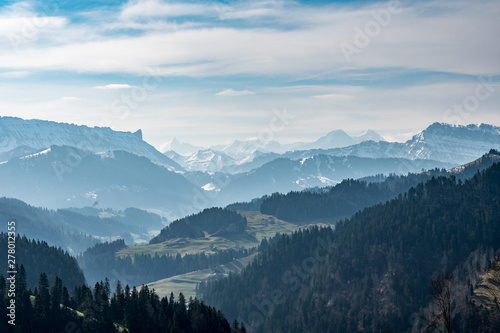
point(209, 72)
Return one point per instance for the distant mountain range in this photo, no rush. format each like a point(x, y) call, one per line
point(229, 157)
point(440, 142)
point(60, 165)
point(284, 174)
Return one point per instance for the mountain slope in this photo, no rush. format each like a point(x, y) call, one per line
point(373, 272)
point(349, 196)
point(38, 257)
point(68, 177)
point(369, 135)
point(441, 142)
point(205, 160)
point(284, 175)
point(212, 221)
point(182, 148)
point(19, 137)
point(334, 139)
point(47, 225)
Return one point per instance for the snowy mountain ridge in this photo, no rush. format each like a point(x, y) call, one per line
point(454, 144)
point(228, 157)
point(20, 137)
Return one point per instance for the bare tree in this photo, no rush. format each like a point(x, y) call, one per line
point(442, 295)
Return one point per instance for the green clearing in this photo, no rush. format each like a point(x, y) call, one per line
point(186, 283)
point(259, 226)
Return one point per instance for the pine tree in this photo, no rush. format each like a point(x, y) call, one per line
point(42, 304)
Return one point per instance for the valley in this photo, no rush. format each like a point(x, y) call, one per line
point(344, 227)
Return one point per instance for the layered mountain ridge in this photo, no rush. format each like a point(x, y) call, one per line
point(79, 165)
point(20, 137)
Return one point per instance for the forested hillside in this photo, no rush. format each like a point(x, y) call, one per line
point(349, 196)
point(101, 261)
point(211, 220)
point(45, 224)
point(52, 308)
point(38, 257)
point(373, 273)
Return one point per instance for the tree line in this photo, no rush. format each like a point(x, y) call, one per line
point(51, 308)
point(101, 261)
point(349, 196)
point(37, 256)
point(211, 220)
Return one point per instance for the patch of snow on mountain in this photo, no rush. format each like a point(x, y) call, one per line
point(43, 152)
point(210, 187)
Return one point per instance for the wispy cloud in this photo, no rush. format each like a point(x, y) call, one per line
point(20, 20)
point(156, 8)
point(115, 86)
point(14, 74)
point(231, 92)
point(446, 41)
point(333, 96)
point(70, 98)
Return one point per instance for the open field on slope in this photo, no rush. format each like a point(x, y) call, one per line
point(259, 226)
point(186, 283)
point(487, 292)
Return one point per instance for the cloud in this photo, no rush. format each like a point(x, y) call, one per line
point(456, 38)
point(144, 9)
point(21, 21)
point(231, 92)
point(156, 8)
point(70, 98)
point(115, 86)
point(14, 74)
point(333, 96)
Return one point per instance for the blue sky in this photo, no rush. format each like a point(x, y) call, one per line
point(209, 72)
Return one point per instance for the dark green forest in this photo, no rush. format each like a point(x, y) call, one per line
point(84, 309)
point(100, 261)
point(212, 220)
point(374, 272)
point(38, 257)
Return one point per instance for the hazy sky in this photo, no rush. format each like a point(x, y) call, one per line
point(212, 71)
